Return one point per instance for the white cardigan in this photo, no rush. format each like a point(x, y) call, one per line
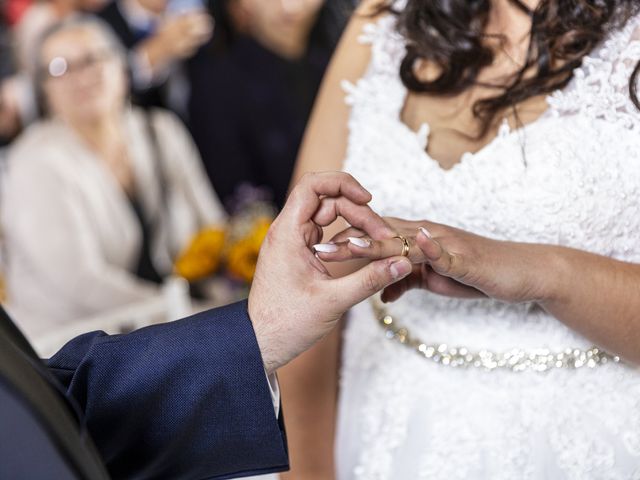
point(72, 238)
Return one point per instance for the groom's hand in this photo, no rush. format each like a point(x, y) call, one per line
point(294, 302)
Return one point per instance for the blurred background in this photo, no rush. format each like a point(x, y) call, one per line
point(145, 147)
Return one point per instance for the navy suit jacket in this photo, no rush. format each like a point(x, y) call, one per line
point(182, 400)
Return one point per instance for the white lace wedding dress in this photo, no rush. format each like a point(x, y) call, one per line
point(405, 416)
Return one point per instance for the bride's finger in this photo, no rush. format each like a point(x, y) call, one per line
point(391, 247)
point(448, 287)
point(337, 250)
point(344, 235)
point(425, 278)
point(441, 260)
point(332, 252)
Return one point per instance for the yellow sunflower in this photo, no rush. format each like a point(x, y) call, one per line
point(242, 255)
point(202, 256)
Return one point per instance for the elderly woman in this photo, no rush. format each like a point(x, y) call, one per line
point(99, 197)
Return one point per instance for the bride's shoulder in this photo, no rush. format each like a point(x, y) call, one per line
point(379, 14)
point(372, 42)
point(373, 8)
point(369, 28)
point(325, 142)
point(372, 16)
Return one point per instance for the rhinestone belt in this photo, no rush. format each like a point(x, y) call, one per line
point(517, 360)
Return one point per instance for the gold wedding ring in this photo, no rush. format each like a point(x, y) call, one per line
point(405, 245)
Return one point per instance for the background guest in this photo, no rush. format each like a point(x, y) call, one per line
point(37, 17)
point(9, 114)
point(159, 34)
point(99, 197)
point(29, 20)
point(254, 85)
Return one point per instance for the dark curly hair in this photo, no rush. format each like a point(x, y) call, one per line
point(451, 34)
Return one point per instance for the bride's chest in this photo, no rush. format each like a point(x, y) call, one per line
point(565, 180)
point(454, 129)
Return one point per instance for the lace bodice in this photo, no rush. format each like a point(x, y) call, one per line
point(572, 178)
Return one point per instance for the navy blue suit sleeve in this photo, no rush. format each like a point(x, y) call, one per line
point(182, 400)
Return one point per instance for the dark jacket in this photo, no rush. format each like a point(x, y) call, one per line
point(182, 400)
point(248, 110)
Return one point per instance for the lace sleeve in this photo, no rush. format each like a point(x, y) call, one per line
point(600, 87)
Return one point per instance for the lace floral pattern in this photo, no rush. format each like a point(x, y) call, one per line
point(578, 185)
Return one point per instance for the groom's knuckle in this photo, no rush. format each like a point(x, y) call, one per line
point(271, 236)
point(308, 178)
point(332, 296)
point(371, 283)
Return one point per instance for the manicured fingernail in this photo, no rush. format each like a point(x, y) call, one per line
point(360, 242)
point(425, 232)
point(325, 248)
point(400, 269)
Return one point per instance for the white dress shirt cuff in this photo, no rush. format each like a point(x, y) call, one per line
point(274, 389)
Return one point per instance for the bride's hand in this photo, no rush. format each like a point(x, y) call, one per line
point(452, 262)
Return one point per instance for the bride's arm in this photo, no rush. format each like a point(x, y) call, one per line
point(597, 296)
point(310, 383)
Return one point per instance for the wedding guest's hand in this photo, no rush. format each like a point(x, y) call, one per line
point(452, 262)
point(294, 302)
point(178, 38)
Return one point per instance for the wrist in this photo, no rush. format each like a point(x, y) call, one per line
point(141, 70)
point(155, 53)
point(265, 340)
point(553, 269)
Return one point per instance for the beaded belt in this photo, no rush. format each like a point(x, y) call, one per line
point(517, 360)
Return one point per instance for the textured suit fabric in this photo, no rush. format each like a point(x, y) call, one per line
point(40, 436)
point(183, 400)
point(26, 436)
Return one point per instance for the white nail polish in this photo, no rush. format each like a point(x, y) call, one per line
point(426, 232)
point(360, 242)
point(325, 248)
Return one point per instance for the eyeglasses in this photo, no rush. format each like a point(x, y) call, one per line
point(60, 67)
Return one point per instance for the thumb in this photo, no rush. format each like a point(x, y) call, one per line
point(369, 280)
